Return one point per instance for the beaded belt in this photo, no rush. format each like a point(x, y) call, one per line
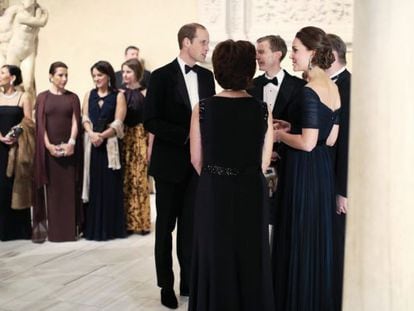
point(229, 171)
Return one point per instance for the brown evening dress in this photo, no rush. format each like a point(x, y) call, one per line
point(61, 188)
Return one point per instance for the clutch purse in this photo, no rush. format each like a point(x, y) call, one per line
point(100, 125)
point(271, 178)
point(15, 132)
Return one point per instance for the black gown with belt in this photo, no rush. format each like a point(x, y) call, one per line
point(303, 241)
point(231, 264)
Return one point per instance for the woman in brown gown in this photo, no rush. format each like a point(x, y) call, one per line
point(134, 155)
point(58, 160)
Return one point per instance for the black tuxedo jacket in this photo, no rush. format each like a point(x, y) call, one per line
point(167, 114)
point(288, 92)
point(144, 80)
point(340, 149)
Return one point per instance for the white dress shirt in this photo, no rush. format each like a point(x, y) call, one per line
point(191, 82)
point(270, 90)
point(334, 77)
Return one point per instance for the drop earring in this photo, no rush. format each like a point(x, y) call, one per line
point(310, 64)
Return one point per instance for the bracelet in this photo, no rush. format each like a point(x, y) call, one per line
point(72, 141)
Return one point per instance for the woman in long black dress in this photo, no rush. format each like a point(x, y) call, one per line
point(58, 160)
point(104, 110)
point(302, 251)
point(231, 144)
point(14, 105)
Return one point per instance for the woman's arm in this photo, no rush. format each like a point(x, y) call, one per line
point(96, 140)
point(27, 105)
point(305, 141)
point(69, 146)
point(150, 144)
point(333, 135)
point(195, 141)
point(268, 144)
point(120, 113)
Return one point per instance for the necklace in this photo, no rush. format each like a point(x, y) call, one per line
point(9, 96)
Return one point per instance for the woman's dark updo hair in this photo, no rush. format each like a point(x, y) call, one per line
point(316, 39)
point(54, 66)
point(106, 68)
point(234, 64)
point(14, 71)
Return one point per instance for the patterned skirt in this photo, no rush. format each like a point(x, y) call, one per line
point(136, 194)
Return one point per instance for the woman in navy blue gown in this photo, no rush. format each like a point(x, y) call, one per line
point(104, 111)
point(231, 143)
point(302, 249)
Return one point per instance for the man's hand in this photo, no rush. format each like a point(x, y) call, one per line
point(341, 204)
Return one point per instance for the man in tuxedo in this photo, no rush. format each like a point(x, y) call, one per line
point(173, 92)
point(342, 78)
point(277, 88)
point(132, 52)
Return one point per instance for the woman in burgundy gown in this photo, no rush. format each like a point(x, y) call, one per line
point(58, 160)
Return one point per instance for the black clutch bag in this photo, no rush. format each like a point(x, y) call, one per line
point(15, 132)
point(100, 125)
point(271, 178)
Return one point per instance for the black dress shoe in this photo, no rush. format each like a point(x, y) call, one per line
point(168, 298)
point(184, 290)
point(184, 293)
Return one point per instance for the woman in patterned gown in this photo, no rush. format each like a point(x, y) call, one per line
point(303, 241)
point(14, 106)
point(134, 155)
point(58, 161)
point(104, 110)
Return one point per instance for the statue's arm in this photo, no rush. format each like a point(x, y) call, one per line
point(39, 20)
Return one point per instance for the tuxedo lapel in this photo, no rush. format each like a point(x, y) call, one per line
point(260, 83)
point(284, 95)
point(181, 86)
point(344, 75)
point(203, 85)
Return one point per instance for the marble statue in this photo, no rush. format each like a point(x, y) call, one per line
point(19, 29)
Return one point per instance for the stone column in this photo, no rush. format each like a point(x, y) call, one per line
point(379, 264)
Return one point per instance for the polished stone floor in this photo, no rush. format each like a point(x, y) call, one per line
point(82, 275)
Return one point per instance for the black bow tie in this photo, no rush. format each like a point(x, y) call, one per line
point(274, 81)
point(187, 68)
point(334, 78)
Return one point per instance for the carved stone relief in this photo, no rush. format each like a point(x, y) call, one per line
point(250, 19)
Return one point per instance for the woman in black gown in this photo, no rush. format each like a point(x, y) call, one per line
point(14, 105)
point(104, 110)
point(302, 251)
point(231, 143)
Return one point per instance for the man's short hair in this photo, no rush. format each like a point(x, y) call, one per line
point(339, 46)
point(276, 43)
point(131, 47)
point(188, 31)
